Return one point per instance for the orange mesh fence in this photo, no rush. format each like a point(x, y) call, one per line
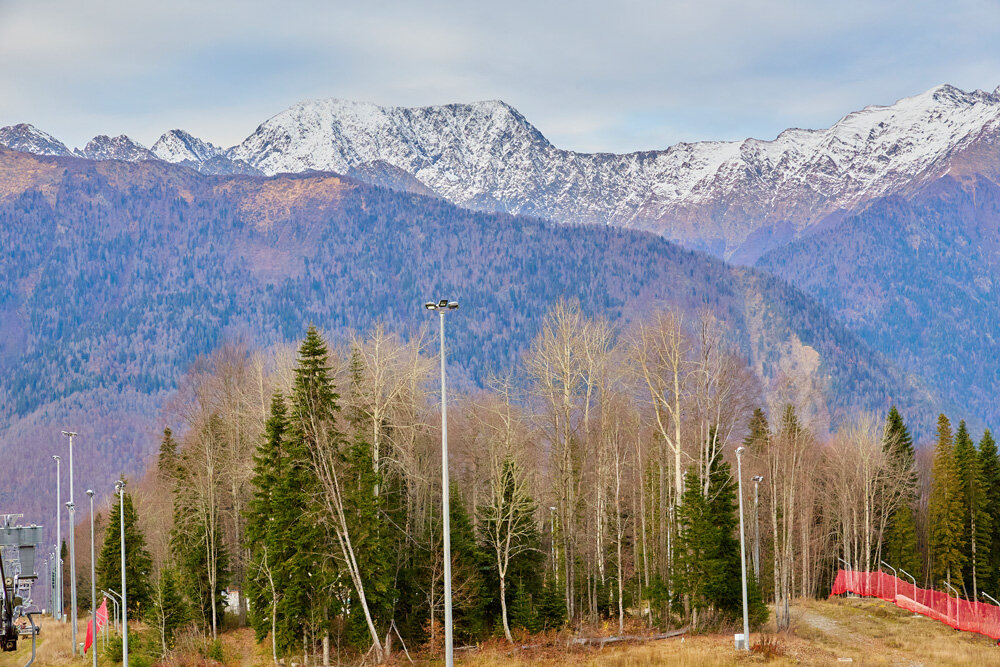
point(959, 614)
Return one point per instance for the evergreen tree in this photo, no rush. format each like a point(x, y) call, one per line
point(168, 459)
point(946, 529)
point(708, 562)
point(759, 432)
point(264, 534)
point(976, 529)
point(138, 564)
point(169, 609)
point(989, 465)
point(900, 542)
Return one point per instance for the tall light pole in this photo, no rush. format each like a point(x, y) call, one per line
point(120, 488)
point(72, 552)
point(93, 584)
point(57, 606)
point(757, 479)
point(72, 571)
point(743, 553)
point(441, 307)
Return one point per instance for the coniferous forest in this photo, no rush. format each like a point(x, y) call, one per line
point(592, 484)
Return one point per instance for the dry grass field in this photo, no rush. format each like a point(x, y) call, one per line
point(835, 632)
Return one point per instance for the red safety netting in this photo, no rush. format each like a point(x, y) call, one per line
point(959, 614)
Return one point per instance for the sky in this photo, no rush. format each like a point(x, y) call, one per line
point(590, 75)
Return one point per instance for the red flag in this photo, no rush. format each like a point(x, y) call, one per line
point(102, 620)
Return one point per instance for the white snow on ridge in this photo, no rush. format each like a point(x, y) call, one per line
point(486, 155)
point(178, 146)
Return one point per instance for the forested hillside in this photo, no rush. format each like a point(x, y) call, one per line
point(114, 277)
point(917, 280)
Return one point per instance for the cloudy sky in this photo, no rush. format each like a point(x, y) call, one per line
point(609, 76)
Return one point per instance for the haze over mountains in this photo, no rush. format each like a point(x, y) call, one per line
point(876, 242)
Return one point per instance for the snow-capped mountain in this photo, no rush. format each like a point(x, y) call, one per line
point(178, 146)
point(735, 199)
point(725, 197)
point(29, 139)
point(103, 147)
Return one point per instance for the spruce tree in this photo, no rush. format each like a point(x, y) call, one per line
point(169, 609)
point(989, 464)
point(976, 529)
point(138, 564)
point(264, 535)
point(946, 522)
point(900, 542)
point(759, 432)
point(168, 459)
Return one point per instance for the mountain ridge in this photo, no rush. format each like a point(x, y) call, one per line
point(723, 197)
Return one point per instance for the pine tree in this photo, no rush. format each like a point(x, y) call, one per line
point(989, 464)
point(976, 529)
point(138, 564)
point(900, 542)
point(945, 510)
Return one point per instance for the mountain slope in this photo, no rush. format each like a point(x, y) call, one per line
point(918, 279)
point(734, 199)
point(115, 276)
point(724, 197)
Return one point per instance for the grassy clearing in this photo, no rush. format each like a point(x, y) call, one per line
point(863, 631)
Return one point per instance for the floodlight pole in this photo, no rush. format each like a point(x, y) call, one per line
point(72, 572)
point(93, 585)
point(72, 551)
point(449, 650)
point(743, 553)
point(120, 488)
point(57, 606)
point(756, 527)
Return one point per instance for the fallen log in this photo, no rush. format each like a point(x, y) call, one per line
point(628, 638)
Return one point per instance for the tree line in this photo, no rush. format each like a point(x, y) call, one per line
point(593, 483)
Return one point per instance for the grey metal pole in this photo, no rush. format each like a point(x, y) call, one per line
point(756, 528)
point(93, 585)
point(120, 487)
point(57, 605)
point(114, 600)
point(449, 656)
point(743, 554)
point(72, 572)
point(72, 551)
point(895, 583)
point(991, 598)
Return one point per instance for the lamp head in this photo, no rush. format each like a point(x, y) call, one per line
point(430, 305)
point(56, 457)
point(443, 303)
point(758, 478)
point(739, 450)
point(90, 492)
point(70, 506)
point(119, 486)
point(69, 433)
point(452, 305)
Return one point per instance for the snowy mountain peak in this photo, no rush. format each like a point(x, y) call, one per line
point(336, 135)
point(29, 139)
point(103, 147)
point(179, 146)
